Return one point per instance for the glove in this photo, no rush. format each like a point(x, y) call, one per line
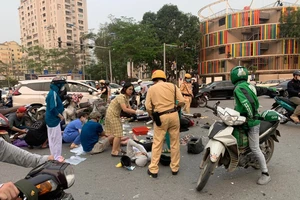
point(139, 112)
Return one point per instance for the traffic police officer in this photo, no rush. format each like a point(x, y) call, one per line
point(187, 92)
point(161, 105)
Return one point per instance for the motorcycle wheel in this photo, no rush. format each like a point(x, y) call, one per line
point(202, 101)
point(267, 149)
point(205, 173)
point(282, 111)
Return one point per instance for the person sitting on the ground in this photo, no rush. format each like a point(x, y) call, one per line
point(37, 135)
point(137, 153)
point(93, 138)
point(73, 129)
point(17, 122)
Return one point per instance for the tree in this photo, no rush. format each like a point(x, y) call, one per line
point(174, 27)
point(290, 23)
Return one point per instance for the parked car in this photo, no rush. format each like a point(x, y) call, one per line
point(271, 83)
point(35, 91)
point(91, 83)
point(115, 88)
point(282, 89)
point(218, 89)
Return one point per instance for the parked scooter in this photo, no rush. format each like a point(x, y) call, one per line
point(228, 143)
point(285, 107)
point(47, 181)
point(202, 99)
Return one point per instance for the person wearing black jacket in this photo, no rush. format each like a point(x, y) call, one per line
point(195, 86)
point(293, 88)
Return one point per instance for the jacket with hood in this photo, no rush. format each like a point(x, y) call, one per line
point(54, 106)
point(246, 102)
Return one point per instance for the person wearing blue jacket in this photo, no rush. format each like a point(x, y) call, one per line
point(54, 116)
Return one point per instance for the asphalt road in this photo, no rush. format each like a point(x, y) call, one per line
point(98, 178)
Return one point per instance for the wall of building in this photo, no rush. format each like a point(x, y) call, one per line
point(247, 38)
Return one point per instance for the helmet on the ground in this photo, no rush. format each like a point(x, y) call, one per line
point(238, 73)
point(296, 73)
point(102, 81)
point(125, 161)
point(270, 115)
point(59, 80)
point(159, 74)
point(195, 145)
point(187, 76)
point(139, 81)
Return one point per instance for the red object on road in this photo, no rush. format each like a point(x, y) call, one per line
point(140, 130)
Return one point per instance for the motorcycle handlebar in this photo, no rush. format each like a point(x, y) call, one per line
point(214, 108)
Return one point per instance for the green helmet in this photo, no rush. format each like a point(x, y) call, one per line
point(270, 115)
point(238, 73)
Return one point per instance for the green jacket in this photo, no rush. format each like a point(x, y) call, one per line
point(244, 94)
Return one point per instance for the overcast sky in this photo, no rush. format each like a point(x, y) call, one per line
point(99, 10)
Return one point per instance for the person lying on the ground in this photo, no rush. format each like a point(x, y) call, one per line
point(73, 129)
point(137, 153)
point(93, 138)
point(14, 155)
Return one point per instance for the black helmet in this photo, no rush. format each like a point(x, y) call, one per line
point(58, 80)
point(296, 73)
point(107, 82)
point(195, 146)
point(125, 161)
point(165, 160)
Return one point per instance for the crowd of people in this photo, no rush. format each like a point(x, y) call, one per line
point(163, 100)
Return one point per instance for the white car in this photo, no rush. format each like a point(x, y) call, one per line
point(114, 88)
point(35, 91)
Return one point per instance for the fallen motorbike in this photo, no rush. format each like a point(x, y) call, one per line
point(202, 99)
point(285, 107)
point(47, 181)
point(228, 143)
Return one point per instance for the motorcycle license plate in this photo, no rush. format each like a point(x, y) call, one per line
point(67, 196)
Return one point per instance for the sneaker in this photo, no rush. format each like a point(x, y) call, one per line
point(264, 179)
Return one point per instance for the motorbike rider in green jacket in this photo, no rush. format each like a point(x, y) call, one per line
point(246, 103)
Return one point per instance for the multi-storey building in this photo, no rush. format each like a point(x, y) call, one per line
point(42, 22)
point(11, 56)
point(251, 38)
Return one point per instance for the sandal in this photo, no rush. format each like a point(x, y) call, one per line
point(118, 155)
point(166, 150)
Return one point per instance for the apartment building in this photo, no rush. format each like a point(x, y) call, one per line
point(11, 56)
point(251, 38)
point(42, 22)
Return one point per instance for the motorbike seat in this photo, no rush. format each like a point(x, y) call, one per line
point(9, 110)
point(264, 125)
point(286, 100)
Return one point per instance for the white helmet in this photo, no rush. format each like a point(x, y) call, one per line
point(139, 81)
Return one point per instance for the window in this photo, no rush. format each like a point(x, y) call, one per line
point(79, 3)
point(80, 22)
point(81, 28)
point(69, 31)
point(69, 37)
point(221, 50)
point(75, 87)
point(69, 25)
point(80, 15)
point(222, 21)
point(44, 8)
point(44, 15)
point(36, 86)
point(80, 10)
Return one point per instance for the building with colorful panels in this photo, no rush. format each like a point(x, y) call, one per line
point(248, 37)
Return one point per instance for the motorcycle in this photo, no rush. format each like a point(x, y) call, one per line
point(47, 181)
point(285, 107)
point(202, 99)
point(228, 143)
